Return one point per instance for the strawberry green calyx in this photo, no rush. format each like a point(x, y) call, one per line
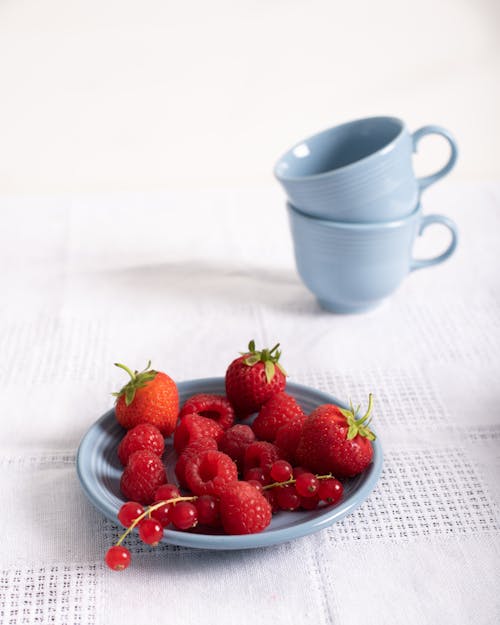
point(138, 379)
point(359, 426)
point(269, 357)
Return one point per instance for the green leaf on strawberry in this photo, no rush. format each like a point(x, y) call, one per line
point(138, 379)
point(359, 426)
point(269, 357)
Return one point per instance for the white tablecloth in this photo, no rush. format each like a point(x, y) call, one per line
point(186, 279)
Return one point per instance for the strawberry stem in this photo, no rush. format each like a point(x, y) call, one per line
point(269, 357)
point(359, 426)
point(125, 368)
point(137, 380)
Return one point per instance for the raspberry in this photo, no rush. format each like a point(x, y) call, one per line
point(216, 407)
point(288, 436)
point(278, 410)
point(261, 454)
point(208, 472)
point(143, 474)
point(142, 436)
point(235, 440)
point(192, 427)
point(243, 509)
point(197, 447)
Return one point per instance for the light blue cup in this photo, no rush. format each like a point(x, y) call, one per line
point(353, 267)
point(360, 171)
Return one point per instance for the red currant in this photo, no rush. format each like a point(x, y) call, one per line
point(207, 507)
point(330, 490)
point(129, 512)
point(309, 503)
point(298, 470)
point(287, 497)
point(117, 558)
point(162, 514)
point(270, 495)
point(256, 484)
point(281, 471)
point(150, 531)
point(167, 491)
point(184, 515)
point(256, 473)
point(307, 484)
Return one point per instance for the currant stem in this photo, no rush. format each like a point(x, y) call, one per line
point(147, 512)
point(292, 480)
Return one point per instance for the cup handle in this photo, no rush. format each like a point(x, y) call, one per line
point(426, 181)
point(427, 220)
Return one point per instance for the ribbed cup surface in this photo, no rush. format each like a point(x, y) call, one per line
point(352, 266)
point(381, 186)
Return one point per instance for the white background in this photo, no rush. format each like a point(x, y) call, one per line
point(119, 95)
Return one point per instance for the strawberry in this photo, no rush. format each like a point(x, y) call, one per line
point(253, 378)
point(149, 397)
point(334, 441)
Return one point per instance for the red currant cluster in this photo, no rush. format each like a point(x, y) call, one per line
point(292, 488)
point(296, 488)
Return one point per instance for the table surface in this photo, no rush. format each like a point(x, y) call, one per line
point(186, 279)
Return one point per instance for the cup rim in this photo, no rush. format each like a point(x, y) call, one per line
point(343, 168)
point(356, 225)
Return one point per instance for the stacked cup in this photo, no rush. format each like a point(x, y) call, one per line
point(355, 212)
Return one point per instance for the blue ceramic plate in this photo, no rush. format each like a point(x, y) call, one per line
point(99, 472)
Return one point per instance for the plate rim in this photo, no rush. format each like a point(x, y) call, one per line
point(265, 538)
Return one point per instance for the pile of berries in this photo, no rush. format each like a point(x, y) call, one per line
point(232, 477)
